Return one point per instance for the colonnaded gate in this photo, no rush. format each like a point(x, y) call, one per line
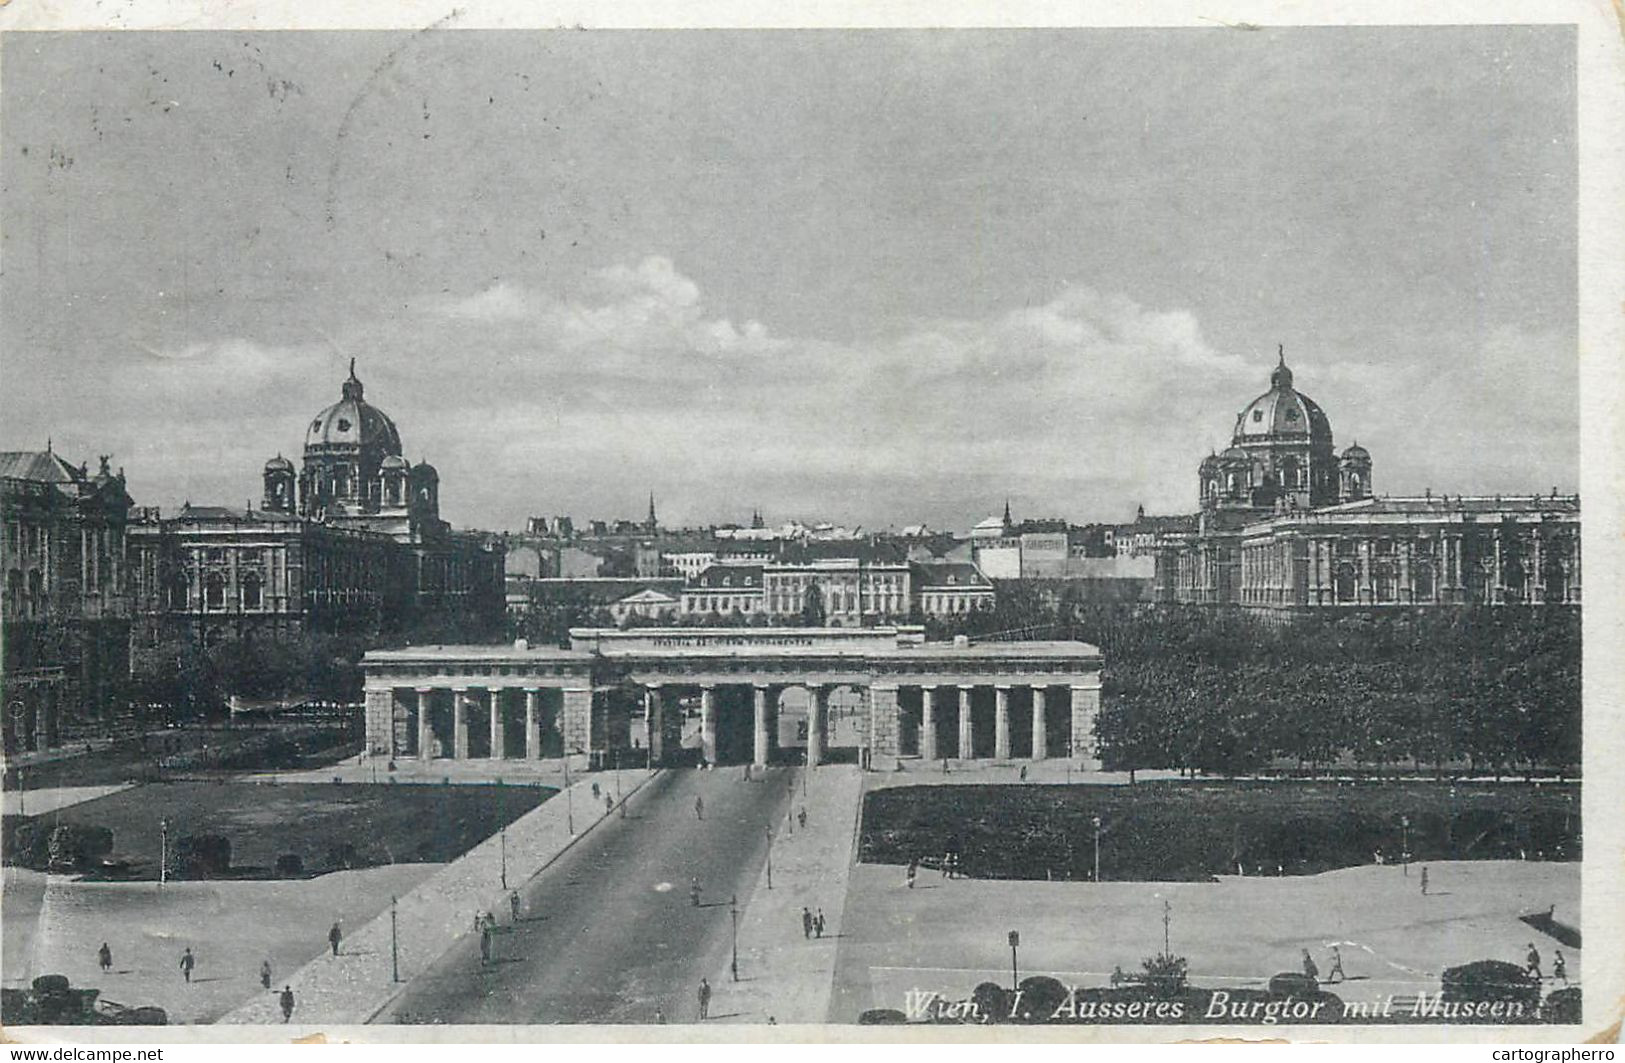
point(737, 695)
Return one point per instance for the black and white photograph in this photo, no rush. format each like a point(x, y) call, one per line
point(547, 524)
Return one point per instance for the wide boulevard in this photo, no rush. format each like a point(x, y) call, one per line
point(608, 933)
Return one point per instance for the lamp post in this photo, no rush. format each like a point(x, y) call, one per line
point(394, 944)
point(1015, 980)
point(163, 852)
point(1167, 917)
point(733, 911)
point(569, 797)
point(1096, 822)
point(1405, 845)
point(770, 858)
point(502, 837)
point(22, 796)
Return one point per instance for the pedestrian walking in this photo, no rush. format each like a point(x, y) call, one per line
point(694, 891)
point(1310, 971)
point(513, 904)
point(947, 865)
point(705, 999)
point(1560, 967)
point(1336, 973)
point(104, 958)
point(1532, 962)
point(1024, 773)
point(287, 1002)
point(595, 791)
point(699, 807)
point(746, 776)
point(485, 945)
point(912, 870)
point(265, 974)
point(1424, 882)
point(334, 936)
point(188, 961)
point(609, 804)
point(801, 817)
point(818, 923)
point(806, 923)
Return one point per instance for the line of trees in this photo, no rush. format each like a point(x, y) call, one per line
point(1488, 690)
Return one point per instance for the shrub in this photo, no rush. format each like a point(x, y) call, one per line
point(342, 857)
point(47, 985)
point(202, 856)
point(1491, 981)
point(290, 865)
point(1164, 974)
point(992, 1001)
point(882, 1017)
point(1562, 1007)
point(73, 846)
point(1039, 998)
point(1293, 984)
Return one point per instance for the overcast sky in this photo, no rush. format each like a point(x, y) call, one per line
point(872, 277)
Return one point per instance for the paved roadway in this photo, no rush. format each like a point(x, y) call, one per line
point(609, 934)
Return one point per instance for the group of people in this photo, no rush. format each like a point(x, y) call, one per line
point(104, 959)
point(949, 868)
point(1560, 966)
point(1335, 974)
point(812, 926)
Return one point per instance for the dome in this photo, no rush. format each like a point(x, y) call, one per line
point(279, 464)
point(351, 423)
point(1356, 453)
point(1235, 454)
point(394, 461)
point(1282, 412)
point(1209, 462)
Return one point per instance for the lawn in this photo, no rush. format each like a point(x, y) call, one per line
point(1194, 831)
point(385, 824)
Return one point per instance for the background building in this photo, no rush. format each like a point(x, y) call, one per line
point(66, 609)
point(352, 541)
point(1287, 525)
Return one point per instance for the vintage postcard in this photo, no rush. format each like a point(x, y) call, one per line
point(632, 522)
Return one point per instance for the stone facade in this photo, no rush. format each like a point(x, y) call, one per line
point(738, 678)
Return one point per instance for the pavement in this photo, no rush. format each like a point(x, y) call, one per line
point(946, 936)
point(441, 770)
point(786, 976)
point(54, 925)
point(54, 798)
point(438, 914)
point(608, 933)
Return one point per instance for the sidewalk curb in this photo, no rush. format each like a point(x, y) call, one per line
point(401, 987)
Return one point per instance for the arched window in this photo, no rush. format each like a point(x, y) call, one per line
point(1343, 582)
point(1235, 484)
point(214, 591)
point(1422, 576)
point(1557, 582)
point(177, 594)
point(252, 592)
point(1291, 473)
point(1387, 585)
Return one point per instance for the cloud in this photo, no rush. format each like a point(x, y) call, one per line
point(1082, 404)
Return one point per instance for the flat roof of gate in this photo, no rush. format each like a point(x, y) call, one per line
point(921, 651)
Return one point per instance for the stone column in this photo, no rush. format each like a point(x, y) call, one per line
point(533, 724)
point(576, 721)
point(1085, 708)
point(966, 745)
point(760, 747)
point(708, 722)
point(817, 713)
point(459, 723)
point(1040, 723)
point(928, 723)
point(883, 712)
point(499, 736)
point(1001, 722)
point(380, 721)
point(425, 723)
point(654, 723)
